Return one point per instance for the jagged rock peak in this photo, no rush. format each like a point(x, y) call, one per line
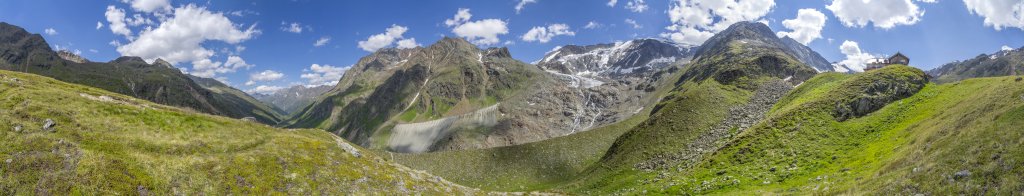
point(741, 30)
point(453, 43)
point(498, 52)
point(71, 56)
point(163, 63)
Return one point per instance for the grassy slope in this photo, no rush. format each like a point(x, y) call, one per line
point(972, 126)
point(130, 146)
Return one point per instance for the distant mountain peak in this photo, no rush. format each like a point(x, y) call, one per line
point(129, 59)
point(162, 63)
point(614, 59)
point(756, 34)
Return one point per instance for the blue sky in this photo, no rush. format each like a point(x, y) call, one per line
point(256, 36)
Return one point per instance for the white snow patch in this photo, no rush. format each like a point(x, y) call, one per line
point(577, 81)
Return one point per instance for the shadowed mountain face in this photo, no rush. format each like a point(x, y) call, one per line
point(398, 86)
point(1002, 63)
point(158, 82)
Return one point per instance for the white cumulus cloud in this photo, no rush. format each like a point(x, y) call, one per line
point(390, 36)
point(637, 6)
point(694, 21)
point(150, 5)
point(137, 20)
point(266, 75)
point(115, 16)
point(293, 27)
point(633, 23)
point(180, 38)
point(482, 32)
point(99, 25)
point(460, 17)
point(855, 58)
point(50, 31)
point(522, 4)
point(806, 26)
point(322, 41)
point(883, 14)
point(323, 74)
point(408, 43)
point(544, 34)
point(611, 3)
point(264, 89)
point(592, 25)
point(999, 13)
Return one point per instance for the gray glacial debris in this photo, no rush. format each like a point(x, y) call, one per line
point(420, 137)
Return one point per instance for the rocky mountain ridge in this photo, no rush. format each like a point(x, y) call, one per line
point(159, 82)
point(1000, 63)
point(614, 60)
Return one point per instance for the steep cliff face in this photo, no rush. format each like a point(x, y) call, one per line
point(158, 82)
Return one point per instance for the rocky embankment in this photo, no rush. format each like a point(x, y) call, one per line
point(876, 95)
point(739, 119)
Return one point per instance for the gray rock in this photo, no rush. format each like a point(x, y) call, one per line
point(249, 119)
point(9, 160)
point(17, 128)
point(961, 174)
point(48, 125)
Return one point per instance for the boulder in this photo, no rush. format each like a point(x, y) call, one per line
point(49, 124)
point(872, 91)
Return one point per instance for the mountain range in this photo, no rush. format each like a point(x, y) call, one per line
point(293, 99)
point(1002, 63)
point(744, 113)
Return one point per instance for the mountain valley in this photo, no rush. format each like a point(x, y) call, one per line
point(750, 110)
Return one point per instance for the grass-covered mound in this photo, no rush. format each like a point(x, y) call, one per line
point(106, 143)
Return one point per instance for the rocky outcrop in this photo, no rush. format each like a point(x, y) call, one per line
point(70, 56)
point(877, 91)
